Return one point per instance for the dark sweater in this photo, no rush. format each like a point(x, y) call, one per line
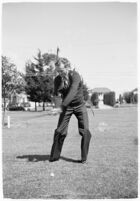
point(73, 94)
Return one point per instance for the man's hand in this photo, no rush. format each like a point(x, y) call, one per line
point(62, 108)
point(59, 110)
point(56, 110)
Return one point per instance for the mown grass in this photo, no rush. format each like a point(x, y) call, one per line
point(111, 171)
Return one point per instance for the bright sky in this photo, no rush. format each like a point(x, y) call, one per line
point(99, 39)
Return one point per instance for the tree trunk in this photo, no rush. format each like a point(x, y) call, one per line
point(35, 107)
point(4, 100)
point(43, 106)
point(4, 109)
point(4, 106)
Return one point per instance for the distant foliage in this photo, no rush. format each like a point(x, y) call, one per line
point(95, 99)
point(135, 98)
point(109, 98)
point(130, 97)
point(127, 97)
point(16, 108)
point(39, 81)
point(12, 79)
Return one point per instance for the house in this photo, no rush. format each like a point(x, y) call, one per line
point(17, 99)
point(100, 91)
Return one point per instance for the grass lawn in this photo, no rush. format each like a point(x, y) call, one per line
point(111, 171)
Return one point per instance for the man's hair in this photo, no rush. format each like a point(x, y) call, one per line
point(64, 61)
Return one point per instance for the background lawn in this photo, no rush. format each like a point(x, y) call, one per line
point(111, 171)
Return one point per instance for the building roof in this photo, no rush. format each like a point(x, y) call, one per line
point(100, 90)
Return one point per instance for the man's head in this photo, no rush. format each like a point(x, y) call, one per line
point(63, 66)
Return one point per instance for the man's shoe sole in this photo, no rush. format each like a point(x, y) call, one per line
point(83, 162)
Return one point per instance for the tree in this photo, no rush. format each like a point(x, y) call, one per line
point(12, 80)
point(128, 97)
point(94, 99)
point(39, 81)
point(120, 99)
point(135, 98)
point(32, 85)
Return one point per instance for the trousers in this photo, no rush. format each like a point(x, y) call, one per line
point(60, 133)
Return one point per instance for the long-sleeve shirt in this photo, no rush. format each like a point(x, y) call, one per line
point(73, 93)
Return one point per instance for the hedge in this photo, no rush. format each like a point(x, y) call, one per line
point(130, 97)
point(109, 98)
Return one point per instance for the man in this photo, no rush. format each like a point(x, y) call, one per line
point(68, 83)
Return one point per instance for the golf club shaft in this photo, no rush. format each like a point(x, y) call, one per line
point(92, 110)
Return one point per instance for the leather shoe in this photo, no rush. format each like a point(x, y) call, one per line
point(53, 160)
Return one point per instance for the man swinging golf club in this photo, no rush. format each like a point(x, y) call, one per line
point(69, 84)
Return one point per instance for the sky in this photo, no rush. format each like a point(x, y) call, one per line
point(99, 39)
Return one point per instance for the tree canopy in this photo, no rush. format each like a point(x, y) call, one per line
point(12, 79)
point(39, 80)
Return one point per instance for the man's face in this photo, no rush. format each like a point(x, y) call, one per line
point(52, 64)
point(62, 70)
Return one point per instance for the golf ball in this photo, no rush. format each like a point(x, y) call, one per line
point(52, 174)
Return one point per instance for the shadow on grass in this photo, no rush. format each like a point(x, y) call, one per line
point(34, 158)
point(37, 158)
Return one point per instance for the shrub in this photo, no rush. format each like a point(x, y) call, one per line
point(109, 98)
point(16, 108)
point(135, 98)
point(128, 97)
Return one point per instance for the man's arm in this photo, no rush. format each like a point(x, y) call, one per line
point(73, 90)
point(56, 94)
point(57, 81)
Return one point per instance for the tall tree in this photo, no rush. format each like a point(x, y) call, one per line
point(12, 80)
point(39, 80)
point(95, 99)
point(31, 87)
